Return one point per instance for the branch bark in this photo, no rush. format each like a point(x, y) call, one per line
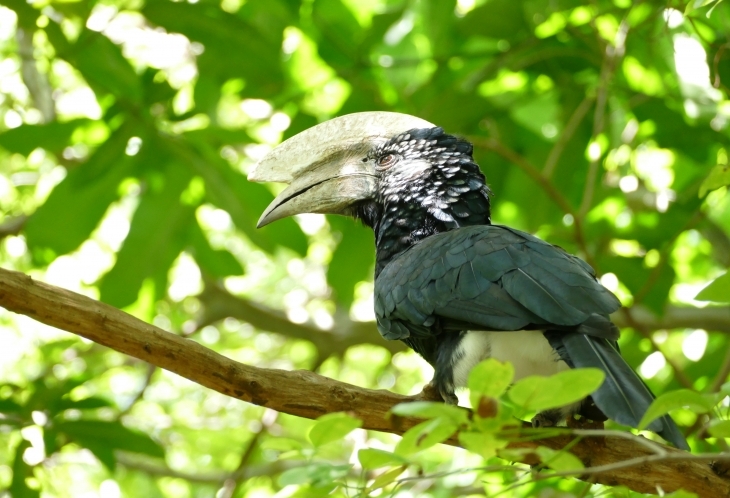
point(306, 394)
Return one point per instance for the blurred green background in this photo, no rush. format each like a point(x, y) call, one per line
point(127, 128)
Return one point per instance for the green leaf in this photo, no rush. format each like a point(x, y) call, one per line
point(217, 263)
point(481, 443)
point(21, 471)
point(332, 427)
point(281, 444)
point(9, 406)
point(425, 435)
point(104, 67)
point(157, 235)
point(103, 437)
point(386, 478)
point(718, 290)
point(77, 204)
point(542, 393)
point(318, 474)
point(431, 409)
point(373, 458)
point(243, 200)
point(682, 398)
point(559, 460)
point(53, 136)
point(351, 261)
point(89, 403)
point(490, 378)
point(222, 34)
point(719, 177)
point(681, 494)
point(720, 428)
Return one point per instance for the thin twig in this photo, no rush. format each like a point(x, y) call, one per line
point(231, 483)
point(151, 369)
point(678, 372)
point(613, 54)
point(722, 374)
point(565, 137)
point(550, 189)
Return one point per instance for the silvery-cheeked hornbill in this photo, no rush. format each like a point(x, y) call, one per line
point(448, 283)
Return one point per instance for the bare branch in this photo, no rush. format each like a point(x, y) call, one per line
point(712, 318)
point(37, 83)
point(306, 394)
point(214, 478)
point(219, 304)
point(552, 161)
point(12, 226)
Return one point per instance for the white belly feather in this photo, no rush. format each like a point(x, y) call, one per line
point(528, 351)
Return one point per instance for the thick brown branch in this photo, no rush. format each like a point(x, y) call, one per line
point(309, 395)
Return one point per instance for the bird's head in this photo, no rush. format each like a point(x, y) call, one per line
point(366, 164)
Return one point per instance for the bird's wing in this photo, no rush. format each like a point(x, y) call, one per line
point(490, 277)
point(497, 278)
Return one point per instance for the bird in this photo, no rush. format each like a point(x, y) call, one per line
point(449, 283)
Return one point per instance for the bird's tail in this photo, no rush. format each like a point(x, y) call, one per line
point(623, 396)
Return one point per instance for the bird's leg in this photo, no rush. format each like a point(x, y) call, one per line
point(432, 392)
point(551, 418)
point(429, 393)
point(548, 418)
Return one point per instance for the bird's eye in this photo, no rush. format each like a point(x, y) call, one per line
point(386, 160)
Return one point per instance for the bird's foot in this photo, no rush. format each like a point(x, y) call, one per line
point(431, 392)
point(545, 419)
point(449, 398)
point(574, 422)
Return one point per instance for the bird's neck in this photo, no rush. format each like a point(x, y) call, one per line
point(401, 221)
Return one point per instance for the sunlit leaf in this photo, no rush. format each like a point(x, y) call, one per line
point(18, 487)
point(373, 458)
point(542, 393)
point(720, 428)
point(53, 136)
point(490, 378)
point(103, 437)
point(425, 435)
point(431, 409)
point(386, 478)
point(718, 177)
point(559, 460)
point(481, 443)
point(718, 290)
point(76, 205)
point(332, 427)
point(682, 398)
point(157, 235)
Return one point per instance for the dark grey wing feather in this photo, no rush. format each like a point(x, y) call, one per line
point(498, 278)
point(503, 279)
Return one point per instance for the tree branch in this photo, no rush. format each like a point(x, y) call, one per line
point(712, 318)
point(219, 304)
point(306, 394)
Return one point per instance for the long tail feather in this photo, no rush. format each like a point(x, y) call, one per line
point(623, 396)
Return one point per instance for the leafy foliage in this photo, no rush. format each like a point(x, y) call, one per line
point(127, 130)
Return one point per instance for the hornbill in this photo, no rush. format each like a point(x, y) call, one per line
point(450, 284)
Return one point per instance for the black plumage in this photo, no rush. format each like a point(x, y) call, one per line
point(448, 283)
point(444, 271)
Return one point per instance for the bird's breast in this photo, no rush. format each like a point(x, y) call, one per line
point(528, 350)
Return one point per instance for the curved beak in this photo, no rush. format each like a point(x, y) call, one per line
point(325, 165)
point(329, 187)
